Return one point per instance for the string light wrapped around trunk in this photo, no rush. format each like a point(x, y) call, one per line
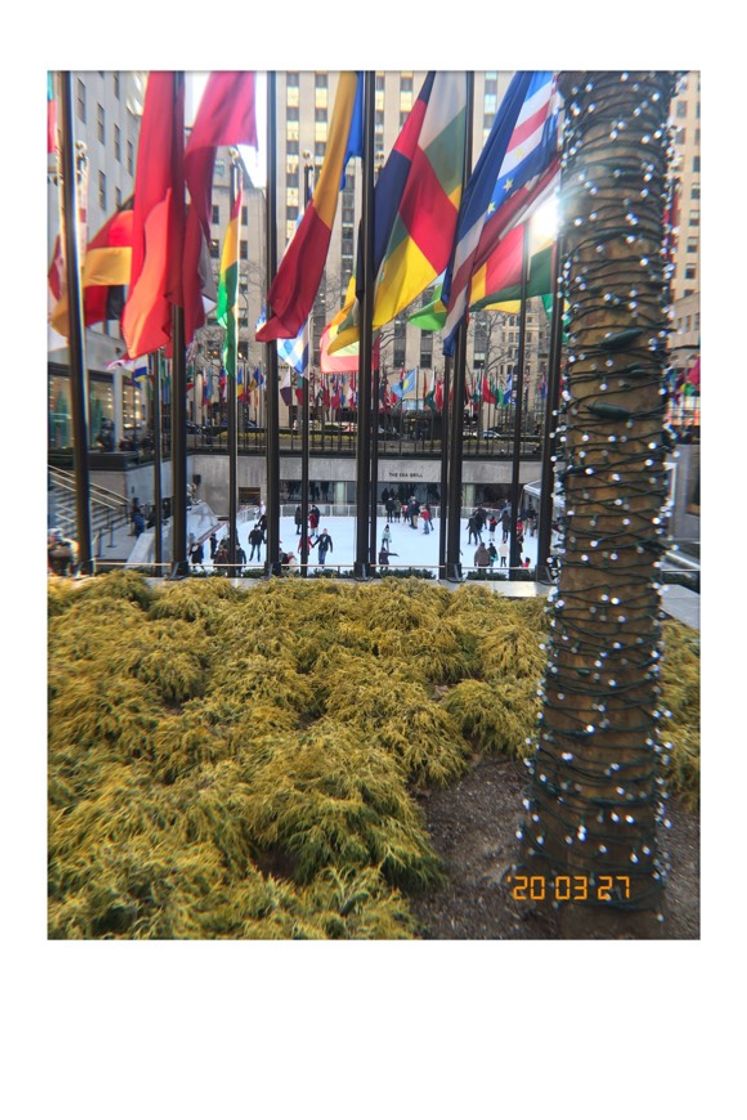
point(597, 778)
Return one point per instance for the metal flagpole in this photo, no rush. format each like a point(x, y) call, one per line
point(453, 565)
point(373, 555)
point(272, 434)
point(155, 362)
point(76, 329)
point(547, 484)
point(444, 484)
point(364, 349)
point(232, 383)
point(514, 557)
point(307, 168)
point(179, 560)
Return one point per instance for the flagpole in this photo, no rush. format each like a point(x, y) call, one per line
point(272, 434)
point(154, 360)
point(307, 168)
point(232, 377)
point(364, 349)
point(444, 469)
point(453, 565)
point(373, 556)
point(76, 337)
point(514, 557)
point(547, 484)
point(179, 560)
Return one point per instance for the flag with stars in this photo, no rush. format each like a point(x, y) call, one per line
point(522, 142)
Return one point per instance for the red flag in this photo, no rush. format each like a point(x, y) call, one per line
point(226, 117)
point(488, 397)
point(439, 397)
point(157, 217)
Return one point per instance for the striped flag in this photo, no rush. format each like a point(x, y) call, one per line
point(296, 282)
point(227, 310)
point(521, 144)
point(406, 384)
point(416, 202)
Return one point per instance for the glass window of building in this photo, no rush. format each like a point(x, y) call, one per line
point(115, 77)
point(405, 100)
point(695, 219)
point(102, 190)
point(320, 98)
point(690, 272)
point(696, 163)
point(291, 130)
point(491, 102)
point(692, 245)
point(118, 198)
point(80, 101)
point(319, 149)
point(695, 192)
point(292, 96)
point(244, 215)
point(379, 99)
point(243, 249)
point(291, 196)
point(405, 83)
point(491, 87)
point(216, 216)
point(681, 109)
point(291, 213)
point(117, 143)
point(320, 81)
point(404, 114)
point(679, 137)
point(130, 157)
point(292, 113)
point(292, 147)
point(379, 83)
point(291, 79)
point(214, 248)
point(320, 130)
point(320, 114)
point(487, 121)
point(101, 124)
point(379, 120)
point(348, 215)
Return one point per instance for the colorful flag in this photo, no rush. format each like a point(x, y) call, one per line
point(508, 390)
point(296, 282)
point(156, 222)
point(416, 202)
point(207, 386)
point(104, 274)
point(285, 387)
point(439, 395)
point(240, 383)
point(259, 378)
point(226, 117)
point(222, 379)
point(406, 384)
point(227, 310)
point(51, 115)
point(488, 396)
point(295, 351)
point(522, 141)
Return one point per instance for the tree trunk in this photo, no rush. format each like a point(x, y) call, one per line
point(595, 801)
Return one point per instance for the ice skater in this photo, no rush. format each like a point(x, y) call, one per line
point(386, 537)
point(256, 539)
point(324, 544)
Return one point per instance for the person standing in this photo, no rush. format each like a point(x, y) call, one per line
point(299, 521)
point(256, 539)
point(503, 552)
point(505, 522)
point(386, 537)
point(240, 559)
point(492, 525)
point(426, 515)
point(482, 556)
point(492, 553)
point(197, 555)
point(213, 545)
point(324, 543)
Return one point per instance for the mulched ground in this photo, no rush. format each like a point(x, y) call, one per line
point(472, 826)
